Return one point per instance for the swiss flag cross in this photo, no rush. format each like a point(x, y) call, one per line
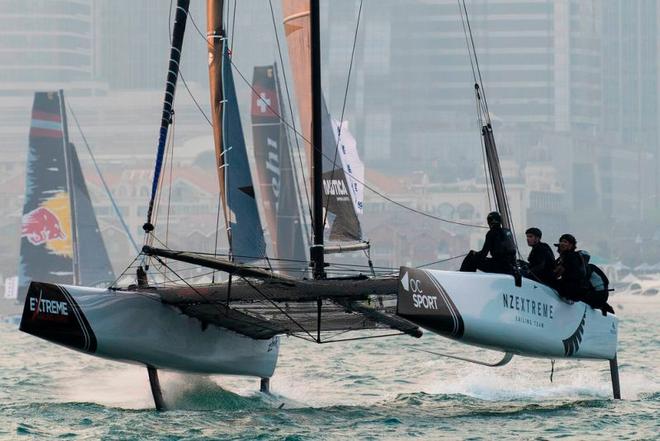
point(264, 102)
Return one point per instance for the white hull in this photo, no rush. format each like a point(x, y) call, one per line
point(136, 327)
point(489, 311)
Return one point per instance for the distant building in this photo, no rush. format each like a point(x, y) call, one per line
point(46, 44)
point(134, 43)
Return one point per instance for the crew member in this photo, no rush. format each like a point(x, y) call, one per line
point(499, 243)
point(541, 258)
point(570, 271)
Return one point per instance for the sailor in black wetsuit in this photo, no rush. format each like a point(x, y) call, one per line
point(570, 271)
point(499, 243)
point(541, 259)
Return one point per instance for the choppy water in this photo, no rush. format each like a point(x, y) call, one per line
point(373, 389)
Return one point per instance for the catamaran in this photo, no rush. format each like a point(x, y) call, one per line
point(233, 326)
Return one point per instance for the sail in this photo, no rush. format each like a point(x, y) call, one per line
point(46, 237)
point(247, 237)
point(93, 267)
point(342, 221)
point(275, 172)
point(297, 32)
point(60, 238)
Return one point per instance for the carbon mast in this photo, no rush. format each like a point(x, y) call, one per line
point(316, 250)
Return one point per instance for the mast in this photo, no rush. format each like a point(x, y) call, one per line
point(170, 88)
point(244, 232)
point(493, 162)
point(71, 188)
point(492, 159)
point(215, 45)
point(316, 250)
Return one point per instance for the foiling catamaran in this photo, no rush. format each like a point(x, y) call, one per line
point(233, 326)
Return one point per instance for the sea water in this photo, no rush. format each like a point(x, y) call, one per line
point(368, 389)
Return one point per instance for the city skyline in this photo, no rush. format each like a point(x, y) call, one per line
point(570, 87)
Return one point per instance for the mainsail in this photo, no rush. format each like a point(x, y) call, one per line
point(275, 172)
point(246, 237)
point(60, 238)
point(342, 223)
point(297, 30)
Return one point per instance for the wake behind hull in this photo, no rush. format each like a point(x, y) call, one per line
point(489, 311)
point(136, 327)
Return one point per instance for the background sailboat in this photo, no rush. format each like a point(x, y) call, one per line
point(280, 193)
point(60, 237)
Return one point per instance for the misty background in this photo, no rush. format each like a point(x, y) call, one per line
point(572, 87)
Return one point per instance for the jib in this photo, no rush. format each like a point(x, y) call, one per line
point(426, 302)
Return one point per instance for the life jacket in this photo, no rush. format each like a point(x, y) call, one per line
point(597, 287)
point(503, 245)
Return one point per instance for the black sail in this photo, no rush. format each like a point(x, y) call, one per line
point(51, 249)
point(92, 261)
point(276, 173)
point(46, 235)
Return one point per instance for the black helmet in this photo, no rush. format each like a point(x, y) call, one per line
point(534, 231)
point(494, 217)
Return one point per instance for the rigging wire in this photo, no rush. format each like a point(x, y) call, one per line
point(361, 182)
point(169, 190)
point(370, 188)
point(477, 102)
point(484, 113)
point(476, 60)
point(442, 260)
point(217, 229)
point(233, 27)
point(105, 184)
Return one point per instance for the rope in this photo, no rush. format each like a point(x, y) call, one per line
point(105, 184)
point(441, 261)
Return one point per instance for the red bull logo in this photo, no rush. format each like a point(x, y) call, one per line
point(41, 225)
